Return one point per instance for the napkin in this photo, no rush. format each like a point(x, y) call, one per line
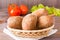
point(53, 31)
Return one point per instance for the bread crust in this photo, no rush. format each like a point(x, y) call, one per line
point(15, 22)
point(29, 22)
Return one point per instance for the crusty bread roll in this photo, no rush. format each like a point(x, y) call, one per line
point(45, 21)
point(29, 22)
point(40, 12)
point(15, 22)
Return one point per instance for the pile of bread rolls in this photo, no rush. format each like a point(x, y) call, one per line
point(39, 19)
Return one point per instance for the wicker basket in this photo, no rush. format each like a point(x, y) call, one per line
point(31, 33)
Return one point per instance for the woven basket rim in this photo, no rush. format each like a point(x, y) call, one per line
point(40, 30)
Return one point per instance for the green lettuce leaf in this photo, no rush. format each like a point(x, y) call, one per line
point(34, 8)
point(51, 10)
point(57, 12)
point(40, 6)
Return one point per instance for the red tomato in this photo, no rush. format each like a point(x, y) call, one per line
point(14, 10)
point(24, 9)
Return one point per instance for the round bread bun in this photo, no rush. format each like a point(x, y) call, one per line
point(15, 22)
point(29, 22)
point(40, 12)
point(45, 21)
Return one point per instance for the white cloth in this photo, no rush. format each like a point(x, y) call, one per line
point(53, 31)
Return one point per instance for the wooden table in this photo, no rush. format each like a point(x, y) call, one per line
point(56, 36)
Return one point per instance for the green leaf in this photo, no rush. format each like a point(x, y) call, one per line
point(50, 9)
point(57, 12)
point(34, 8)
point(40, 6)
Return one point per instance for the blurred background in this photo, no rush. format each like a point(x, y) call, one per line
point(4, 5)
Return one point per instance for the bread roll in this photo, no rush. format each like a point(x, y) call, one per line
point(40, 12)
point(45, 21)
point(29, 22)
point(15, 22)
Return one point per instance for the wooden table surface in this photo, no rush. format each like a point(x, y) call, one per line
point(56, 36)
